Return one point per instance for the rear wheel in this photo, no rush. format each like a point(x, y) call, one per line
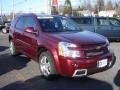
point(4, 30)
point(46, 65)
point(12, 49)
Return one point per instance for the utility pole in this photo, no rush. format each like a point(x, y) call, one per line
point(58, 8)
point(49, 6)
point(1, 12)
point(13, 9)
point(98, 9)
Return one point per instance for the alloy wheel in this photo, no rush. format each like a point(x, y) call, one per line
point(45, 66)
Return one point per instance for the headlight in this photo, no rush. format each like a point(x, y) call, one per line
point(108, 48)
point(64, 50)
point(107, 41)
point(108, 44)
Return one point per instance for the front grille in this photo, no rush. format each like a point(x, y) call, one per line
point(93, 45)
point(95, 52)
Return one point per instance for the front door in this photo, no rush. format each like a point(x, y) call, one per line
point(30, 39)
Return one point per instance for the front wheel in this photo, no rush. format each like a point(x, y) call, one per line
point(46, 65)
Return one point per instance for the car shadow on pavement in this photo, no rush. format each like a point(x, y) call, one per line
point(117, 79)
point(3, 48)
point(9, 63)
point(61, 83)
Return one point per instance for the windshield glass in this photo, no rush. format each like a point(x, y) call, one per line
point(58, 24)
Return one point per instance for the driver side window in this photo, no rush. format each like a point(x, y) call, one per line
point(31, 23)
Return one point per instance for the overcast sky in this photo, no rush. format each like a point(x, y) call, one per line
point(34, 5)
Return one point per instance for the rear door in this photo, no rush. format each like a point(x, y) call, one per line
point(18, 34)
point(103, 27)
point(30, 39)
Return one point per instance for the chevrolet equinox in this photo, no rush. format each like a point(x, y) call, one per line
point(59, 46)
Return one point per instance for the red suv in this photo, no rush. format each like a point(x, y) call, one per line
point(59, 46)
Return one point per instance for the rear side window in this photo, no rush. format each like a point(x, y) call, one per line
point(114, 22)
point(83, 20)
point(103, 21)
point(21, 23)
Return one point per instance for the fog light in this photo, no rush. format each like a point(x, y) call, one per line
point(75, 65)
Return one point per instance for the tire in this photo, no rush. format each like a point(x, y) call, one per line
point(12, 49)
point(4, 30)
point(46, 65)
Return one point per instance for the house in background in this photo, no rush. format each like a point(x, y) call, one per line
point(109, 13)
point(87, 13)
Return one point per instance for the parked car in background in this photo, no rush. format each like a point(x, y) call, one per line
point(59, 46)
point(4, 26)
point(1, 26)
point(106, 26)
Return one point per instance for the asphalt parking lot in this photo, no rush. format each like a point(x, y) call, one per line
point(20, 73)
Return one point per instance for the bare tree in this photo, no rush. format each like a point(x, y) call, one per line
point(67, 8)
point(86, 5)
point(100, 5)
point(54, 11)
point(117, 8)
point(109, 5)
point(61, 9)
point(95, 9)
point(89, 6)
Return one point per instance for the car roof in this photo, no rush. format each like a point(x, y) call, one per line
point(40, 16)
point(89, 17)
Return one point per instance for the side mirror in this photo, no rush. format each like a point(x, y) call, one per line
point(30, 30)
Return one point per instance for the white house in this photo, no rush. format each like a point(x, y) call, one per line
point(86, 13)
point(109, 13)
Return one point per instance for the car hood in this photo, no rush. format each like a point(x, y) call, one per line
point(82, 37)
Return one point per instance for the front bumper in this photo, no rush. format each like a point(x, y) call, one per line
point(84, 67)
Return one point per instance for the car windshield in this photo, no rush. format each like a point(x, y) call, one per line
point(58, 24)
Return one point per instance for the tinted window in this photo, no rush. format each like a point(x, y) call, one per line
point(115, 22)
point(83, 20)
point(49, 25)
point(102, 21)
point(30, 22)
point(21, 23)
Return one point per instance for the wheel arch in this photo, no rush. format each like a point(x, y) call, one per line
point(55, 59)
point(44, 49)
